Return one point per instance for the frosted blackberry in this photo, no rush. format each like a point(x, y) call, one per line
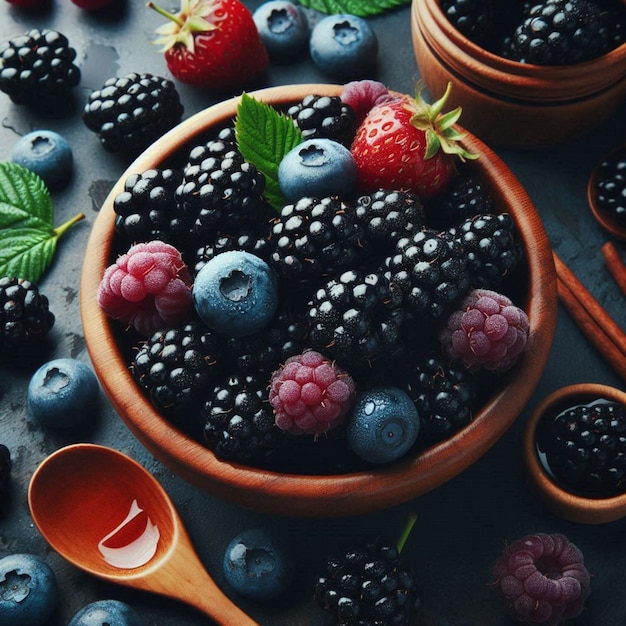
point(430, 270)
point(356, 319)
point(238, 420)
point(464, 197)
point(368, 584)
point(131, 112)
point(387, 216)
point(324, 116)
point(561, 32)
point(147, 210)
point(174, 366)
point(25, 314)
point(584, 448)
point(221, 193)
point(491, 247)
point(5, 478)
point(443, 394)
point(38, 69)
point(542, 578)
point(313, 238)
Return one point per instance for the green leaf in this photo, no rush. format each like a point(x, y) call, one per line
point(264, 136)
point(361, 8)
point(28, 239)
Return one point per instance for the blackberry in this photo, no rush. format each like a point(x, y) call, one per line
point(464, 197)
point(367, 584)
point(491, 247)
point(147, 210)
point(610, 186)
point(356, 319)
point(561, 32)
point(476, 19)
point(24, 313)
point(5, 478)
point(313, 238)
point(386, 216)
point(584, 448)
point(131, 112)
point(238, 420)
point(221, 193)
point(324, 116)
point(443, 393)
point(174, 366)
point(430, 270)
point(37, 69)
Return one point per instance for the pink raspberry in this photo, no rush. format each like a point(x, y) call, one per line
point(487, 331)
point(362, 95)
point(542, 578)
point(148, 287)
point(310, 394)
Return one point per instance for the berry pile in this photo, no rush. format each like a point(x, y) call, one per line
point(295, 322)
point(541, 32)
point(610, 186)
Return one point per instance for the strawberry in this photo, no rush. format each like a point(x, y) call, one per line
point(408, 144)
point(212, 43)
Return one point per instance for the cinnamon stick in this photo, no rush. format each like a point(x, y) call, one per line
point(597, 325)
point(615, 265)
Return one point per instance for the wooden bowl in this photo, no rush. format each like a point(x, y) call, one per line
point(308, 495)
point(605, 220)
point(511, 104)
point(562, 502)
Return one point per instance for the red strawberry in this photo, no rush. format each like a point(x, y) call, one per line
point(212, 43)
point(92, 5)
point(408, 144)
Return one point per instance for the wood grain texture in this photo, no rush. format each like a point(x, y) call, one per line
point(337, 495)
point(511, 104)
point(561, 502)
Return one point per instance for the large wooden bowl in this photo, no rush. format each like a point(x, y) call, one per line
point(511, 104)
point(336, 495)
point(562, 502)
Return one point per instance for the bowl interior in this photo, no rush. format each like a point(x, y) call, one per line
point(319, 495)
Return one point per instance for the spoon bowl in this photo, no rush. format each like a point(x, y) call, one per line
point(82, 493)
point(573, 507)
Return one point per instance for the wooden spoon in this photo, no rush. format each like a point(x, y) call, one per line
point(81, 493)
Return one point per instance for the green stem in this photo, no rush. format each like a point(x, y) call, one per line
point(406, 532)
point(167, 14)
point(59, 231)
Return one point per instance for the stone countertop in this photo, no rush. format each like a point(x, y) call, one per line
point(463, 525)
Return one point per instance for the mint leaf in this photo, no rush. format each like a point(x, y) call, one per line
point(28, 239)
point(353, 7)
point(264, 136)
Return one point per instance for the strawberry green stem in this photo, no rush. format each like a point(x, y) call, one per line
point(167, 14)
point(59, 231)
point(406, 531)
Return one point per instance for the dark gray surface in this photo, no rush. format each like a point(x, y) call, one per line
point(463, 525)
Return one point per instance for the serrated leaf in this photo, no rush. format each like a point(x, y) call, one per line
point(26, 252)
point(264, 136)
point(25, 201)
point(359, 8)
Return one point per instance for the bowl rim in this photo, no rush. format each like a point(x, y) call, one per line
point(562, 502)
point(527, 82)
point(327, 495)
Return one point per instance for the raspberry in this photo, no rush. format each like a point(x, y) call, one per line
point(362, 95)
point(543, 578)
point(310, 394)
point(487, 331)
point(148, 287)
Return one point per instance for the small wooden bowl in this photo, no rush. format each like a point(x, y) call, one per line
point(309, 495)
point(605, 220)
point(562, 502)
point(511, 104)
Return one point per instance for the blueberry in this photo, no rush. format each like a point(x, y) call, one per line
point(344, 46)
point(235, 293)
point(383, 425)
point(28, 590)
point(283, 28)
point(317, 168)
point(106, 613)
point(47, 154)
point(62, 393)
point(258, 565)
